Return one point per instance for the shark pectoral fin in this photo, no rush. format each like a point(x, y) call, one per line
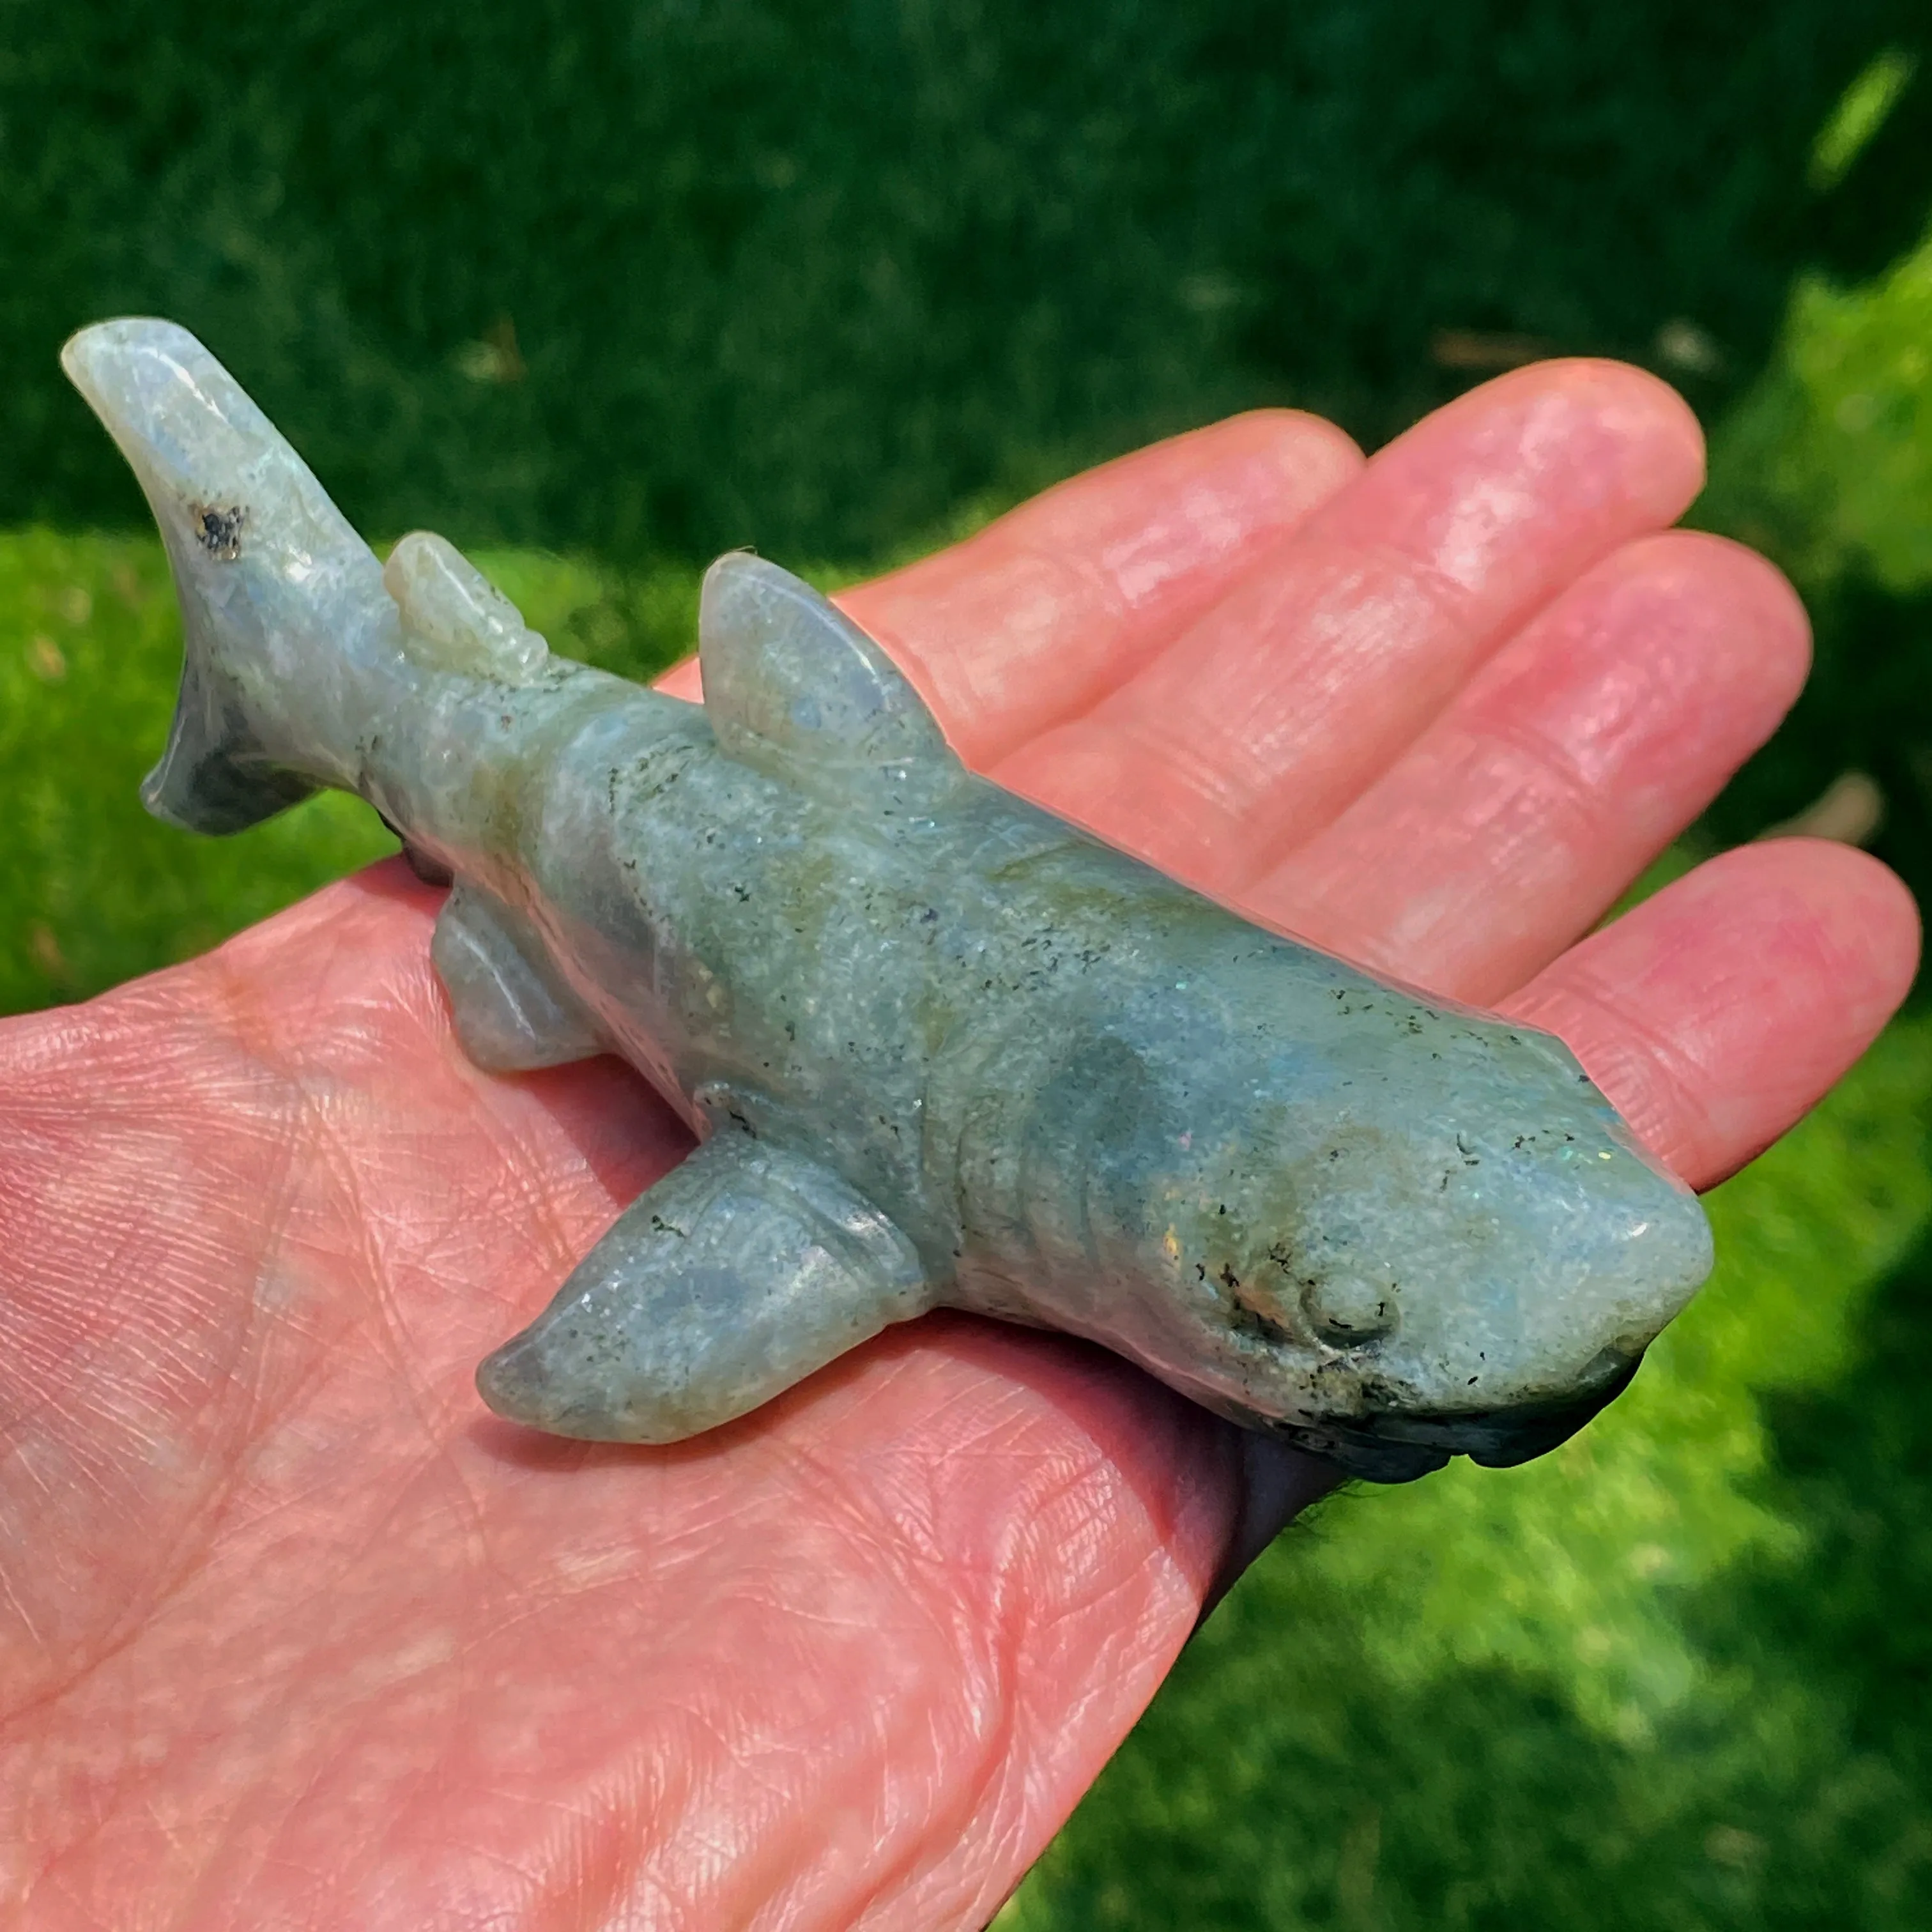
point(794, 688)
point(513, 1013)
point(739, 1273)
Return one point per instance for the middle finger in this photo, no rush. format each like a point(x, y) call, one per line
point(1577, 753)
point(1267, 715)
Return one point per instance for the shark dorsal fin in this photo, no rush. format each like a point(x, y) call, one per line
point(793, 688)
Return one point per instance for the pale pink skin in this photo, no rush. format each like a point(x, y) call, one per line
point(293, 1634)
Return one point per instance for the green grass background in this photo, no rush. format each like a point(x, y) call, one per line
point(599, 289)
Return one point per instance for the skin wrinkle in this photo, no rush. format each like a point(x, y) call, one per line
point(1599, 733)
point(980, 1796)
point(31, 1389)
point(390, 1528)
point(332, 1563)
point(1292, 700)
point(338, 1162)
point(105, 1222)
point(293, 1504)
point(317, 1877)
point(983, 1772)
point(595, 1871)
point(471, 1511)
point(988, 1426)
point(297, 1387)
point(992, 1799)
point(1368, 598)
point(710, 1855)
point(420, 1785)
point(660, 1780)
point(576, 1821)
point(1695, 679)
point(1043, 1489)
point(1751, 931)
point(89, 1655)
point(1316, 795)
point(781, 1869)
point(1295, 464)
point(1095, 592)
point(516, 1190)
point(714, 1839)
point(1003, 1703)
point(431, 1775)
point(138, 1305)
point(19, 1608)
point(551, 1218)
point(879, 1544)
point(1571, 786)
point(1229, 750)
point(989, 1796)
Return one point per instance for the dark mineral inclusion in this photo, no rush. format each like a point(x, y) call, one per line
point(939, 1048)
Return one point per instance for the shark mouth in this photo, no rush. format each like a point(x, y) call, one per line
point(1392, 1449)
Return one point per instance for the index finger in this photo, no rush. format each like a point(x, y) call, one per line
point(1025, 623)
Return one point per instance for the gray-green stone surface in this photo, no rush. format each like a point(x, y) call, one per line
point(939, 1048)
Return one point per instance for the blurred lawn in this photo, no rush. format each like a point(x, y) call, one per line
point(1825, 463)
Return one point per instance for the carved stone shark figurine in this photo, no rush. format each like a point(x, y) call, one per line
point(938, 1046)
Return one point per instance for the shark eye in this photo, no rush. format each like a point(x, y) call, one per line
point(1346, 1312)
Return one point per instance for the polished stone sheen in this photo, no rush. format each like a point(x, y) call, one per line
point(940, 1047)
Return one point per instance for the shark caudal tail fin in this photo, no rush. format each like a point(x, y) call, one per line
point(279, 595)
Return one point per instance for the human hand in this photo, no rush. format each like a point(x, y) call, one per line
point(293, 1634)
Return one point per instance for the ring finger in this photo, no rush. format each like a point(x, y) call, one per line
point(1263, 718)
point(1569, 761)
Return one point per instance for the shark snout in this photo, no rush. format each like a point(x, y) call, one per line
point(1517, 1340)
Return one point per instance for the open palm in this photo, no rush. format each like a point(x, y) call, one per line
point(293, 1634)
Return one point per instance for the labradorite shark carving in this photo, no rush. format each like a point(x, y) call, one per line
point(939, 1047)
